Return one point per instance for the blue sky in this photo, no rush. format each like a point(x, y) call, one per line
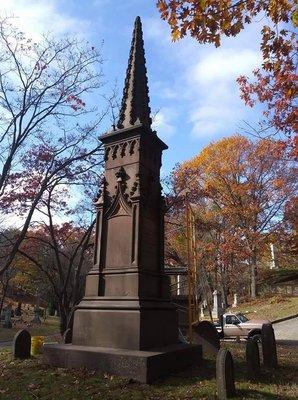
point(193, 86)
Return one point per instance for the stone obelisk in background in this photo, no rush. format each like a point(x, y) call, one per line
point(126, 323)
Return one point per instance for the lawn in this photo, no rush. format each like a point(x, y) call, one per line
point(269, 307)
point(30, 379)
point(48, 328)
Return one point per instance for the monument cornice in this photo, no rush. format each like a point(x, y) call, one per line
point(132, 132)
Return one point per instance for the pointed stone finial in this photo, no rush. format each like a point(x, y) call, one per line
point(135, 102)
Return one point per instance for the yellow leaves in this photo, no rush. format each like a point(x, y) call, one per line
point(294, 17)
point(203, 3)
point(226, 24)
point(176, 34)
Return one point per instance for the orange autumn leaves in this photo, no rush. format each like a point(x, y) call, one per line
point(239, 175)
point(239, 188)
point(208, 20)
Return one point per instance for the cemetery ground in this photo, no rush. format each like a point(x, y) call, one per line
point(30, 379)
point(48, 328)
point(270, 307)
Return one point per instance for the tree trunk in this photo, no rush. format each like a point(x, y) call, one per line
point(5, 287)
point(253, 275)
point(63, 319)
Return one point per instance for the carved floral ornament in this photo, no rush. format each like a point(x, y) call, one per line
point(127, 148)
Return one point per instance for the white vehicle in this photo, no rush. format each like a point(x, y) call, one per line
point(239, 326)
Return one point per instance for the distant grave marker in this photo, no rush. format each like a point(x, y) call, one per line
point(7, 312)
point(21, 346)
point(36, 319)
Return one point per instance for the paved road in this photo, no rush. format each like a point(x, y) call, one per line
point(5, 344)
point(287, 330)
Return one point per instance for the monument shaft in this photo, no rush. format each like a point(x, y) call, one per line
point(126, 323)
point(127, 287)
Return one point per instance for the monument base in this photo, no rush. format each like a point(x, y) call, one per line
point(143, 366)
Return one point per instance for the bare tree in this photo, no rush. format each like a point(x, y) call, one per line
point(48, 129)
point(63, 255)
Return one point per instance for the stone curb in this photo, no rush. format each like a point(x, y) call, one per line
point(284, 319)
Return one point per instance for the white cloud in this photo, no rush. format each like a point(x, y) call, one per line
point(216, 106)
point(156, 29)
point(202, 78)
point(162, 123)
point(35, 17)
point(224, 65)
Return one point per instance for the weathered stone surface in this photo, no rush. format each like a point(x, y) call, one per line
point(206, 335)
point(269, 347)
point(127, 307)
point(7, 312)
point(21, 346)
point(143, 366)
point(36, 319)
point(225, 375)
point(252, 359)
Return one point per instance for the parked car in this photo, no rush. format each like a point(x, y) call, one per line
point(239, 326)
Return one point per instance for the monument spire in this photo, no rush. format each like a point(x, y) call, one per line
point(135, 107)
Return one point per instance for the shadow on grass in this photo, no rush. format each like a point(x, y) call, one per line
point(205, 371)
point(255, 394)
point(277, 376)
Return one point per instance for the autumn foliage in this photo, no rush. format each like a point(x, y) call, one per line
point(238, 189)
point(274, 83)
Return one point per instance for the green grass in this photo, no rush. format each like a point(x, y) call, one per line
point(30, 379)
point(269, 307)
point(48, 328)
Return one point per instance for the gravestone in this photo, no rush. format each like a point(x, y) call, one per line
point(36, 319)
point(126, 323)
point(18, 310)
point(235, 302)
point(205, 334)
point(225, 375)
point(252, 359)
point(21, 346)
point(217, 310)
point(7, 312)
point(202, 312)
point(269, 347)
point(67, 336)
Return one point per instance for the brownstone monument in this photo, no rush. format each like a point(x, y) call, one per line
point(126, 324)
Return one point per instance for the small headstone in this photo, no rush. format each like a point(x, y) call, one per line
point(67, 336)
point(252, 359)
point(206, 334)
point(36, 319)
point(18, 310)
point(21, 346)
point(235, 302)
point(202, 312)
point(269, 347)
point(7, 312)
point(225, 375)
point(218, 309)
